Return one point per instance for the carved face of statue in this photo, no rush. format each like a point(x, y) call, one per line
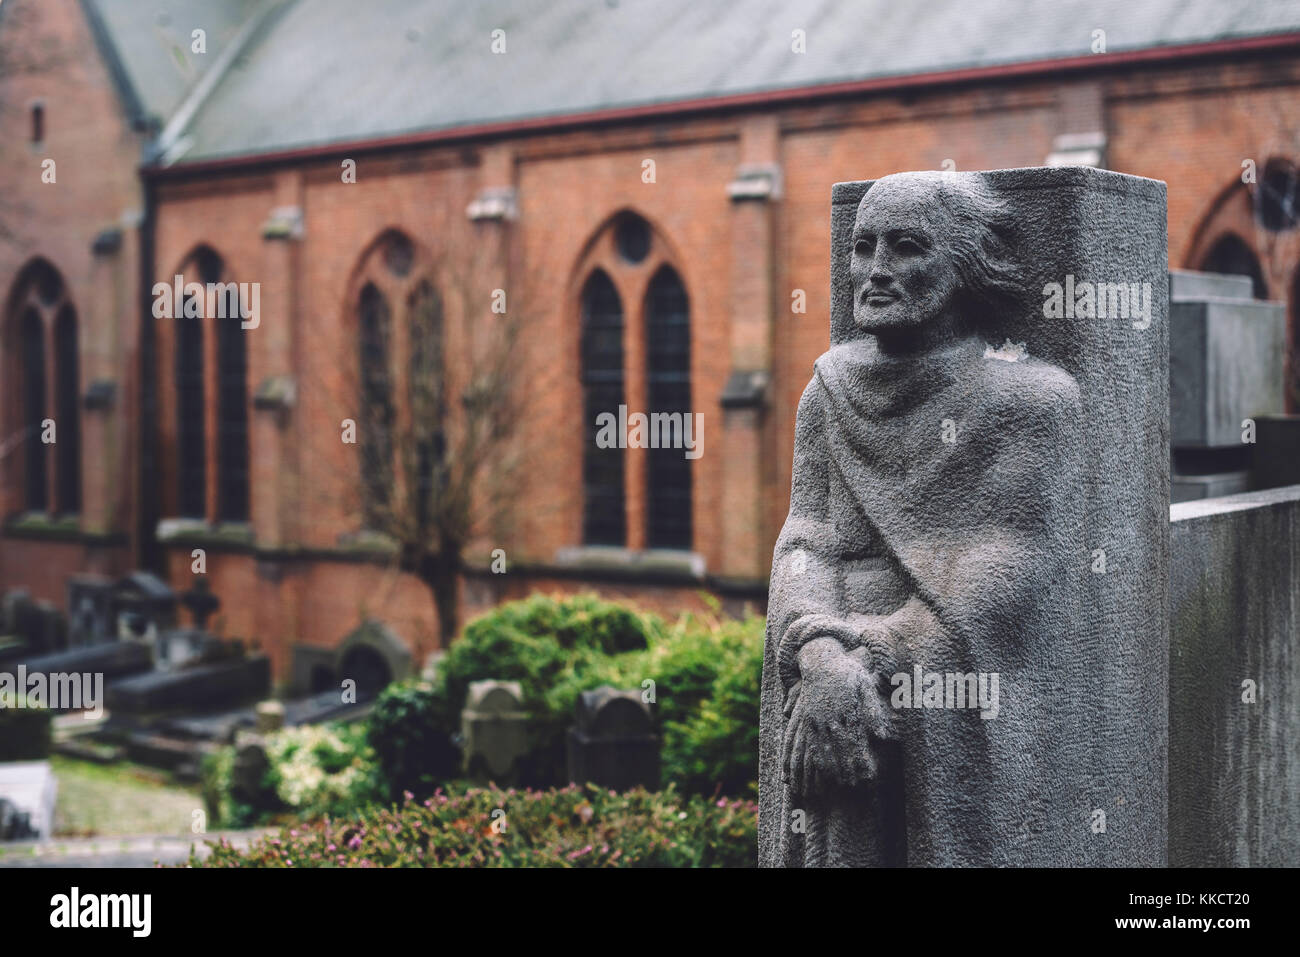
point(904, 278)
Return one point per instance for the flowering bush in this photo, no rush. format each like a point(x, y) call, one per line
point(487, 827)
point(320, 768)
point(313, 770)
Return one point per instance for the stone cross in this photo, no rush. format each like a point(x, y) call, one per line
point(968, 624)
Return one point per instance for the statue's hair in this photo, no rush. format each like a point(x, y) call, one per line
point(980, 236)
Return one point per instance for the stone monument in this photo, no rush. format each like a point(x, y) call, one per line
point(613, 743)
point(968, 622)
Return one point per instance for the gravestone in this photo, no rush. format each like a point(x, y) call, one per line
point(1276, 452)
point(1225, 367)
point(143, 605)
point(176, 648)
point(1234, 678)
point(270, 716)
point(613, 743)
point(15, 825)
point(27, 621)
point(90, 610)
point(113, 659)
point(30, 790)
point(248, 773)
point(51, 627)
point(9, 613)
point(968, 622)
point(494, 727)
point(221, 684)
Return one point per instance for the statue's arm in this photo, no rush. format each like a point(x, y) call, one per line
point(804, 594)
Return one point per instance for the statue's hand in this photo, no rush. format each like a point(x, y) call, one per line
point(835, 717)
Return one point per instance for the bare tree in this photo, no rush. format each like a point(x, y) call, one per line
point(437, 447)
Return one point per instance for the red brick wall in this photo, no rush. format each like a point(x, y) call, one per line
point(1189, 125)
point(48, 54)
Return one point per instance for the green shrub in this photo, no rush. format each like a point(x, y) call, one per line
point(569, 827)
point(542, 642)
point(705, 676)
point(410, 732)
point(25, 732)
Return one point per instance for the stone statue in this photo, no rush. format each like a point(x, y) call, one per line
point(931, 552)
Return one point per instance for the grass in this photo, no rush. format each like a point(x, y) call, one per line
point(118, 800)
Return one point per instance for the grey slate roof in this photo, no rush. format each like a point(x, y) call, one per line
point(153, 43)
point(327, 71)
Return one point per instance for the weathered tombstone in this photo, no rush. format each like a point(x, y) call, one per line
point(248, 773)
point(1276, 452)
point(90, 610)
point(1225, 367)
point(210, 687)
point(12, 644)
point(270, 716)
point(9, 611)
point(1234, 678)
point(15, 825)
point(200, 602)
point(26, 621)
point(494, 727)
point(613, 743)
point(51, 627)
point(143, 605)
point(176, 648)
point(967, 647)
point(30, 789)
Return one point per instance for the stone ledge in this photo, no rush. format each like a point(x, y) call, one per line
point(1225, 504)
point(651, 562)
point(35, 526)
point(196, 531)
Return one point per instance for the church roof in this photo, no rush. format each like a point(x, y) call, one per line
point(310, 73)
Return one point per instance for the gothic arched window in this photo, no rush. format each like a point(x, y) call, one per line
point(377, 416)
point(426, 392)
point(39, 394)
point(604, 517)
point(1231, 255)
point(232, 420)
point(33, 392)
point(191, 431)
point(668, 383)
point(67, 457)
point(223, 355)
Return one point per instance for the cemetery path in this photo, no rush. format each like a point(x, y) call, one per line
point(142, 851)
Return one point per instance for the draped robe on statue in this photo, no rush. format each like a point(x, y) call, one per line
point(958, 556)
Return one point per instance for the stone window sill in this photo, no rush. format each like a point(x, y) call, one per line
point(367, 542)
point(43, 525)
point(198, 531)
point(650, 561)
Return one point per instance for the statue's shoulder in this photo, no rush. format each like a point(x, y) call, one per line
point(1031, 384)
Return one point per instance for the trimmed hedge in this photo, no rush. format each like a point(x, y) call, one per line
point(487, 827)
